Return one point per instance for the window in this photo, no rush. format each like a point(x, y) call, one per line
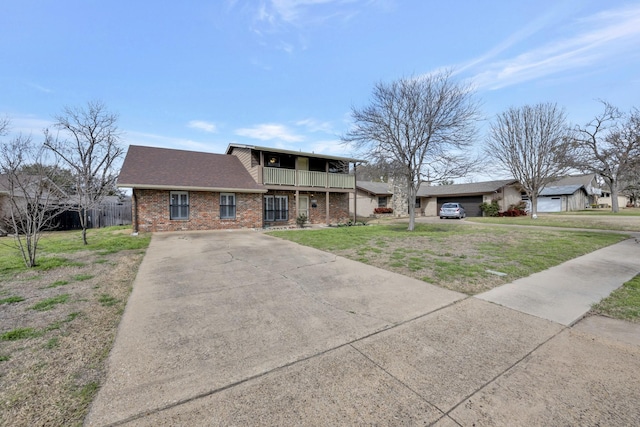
point(276, 208)
point(179, 205)
point(227, 206)
point(382, 201)
point(273, 161)
point(418, 199)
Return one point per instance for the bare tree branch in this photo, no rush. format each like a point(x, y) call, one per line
point(421, 125)
point(532, 143)
point(90, 149)
point(609, 145)
point(31, 195)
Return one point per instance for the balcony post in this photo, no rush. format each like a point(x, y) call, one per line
point(327, 207)
point(326, 174)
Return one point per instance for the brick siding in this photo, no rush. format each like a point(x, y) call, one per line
point(204, 211)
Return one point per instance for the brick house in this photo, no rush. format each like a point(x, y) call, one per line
point(248, 187)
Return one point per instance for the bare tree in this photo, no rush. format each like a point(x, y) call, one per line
point(90, 146)
point(631, 184)
point(609, 145)
point(422, 125)
point(380, 171)
point(532, 143)
point(32, 198)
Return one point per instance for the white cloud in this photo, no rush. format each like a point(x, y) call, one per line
point(598, 38)
point(162, 141)
point(270, 131)
point(27, 126)
point(313, 125)
point(202, 125)
point(331, 147)
point(39, 88)
point(281, 18)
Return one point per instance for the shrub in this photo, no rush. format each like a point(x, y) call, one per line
point(490, 209)
point(383, 210)
point(301, 220)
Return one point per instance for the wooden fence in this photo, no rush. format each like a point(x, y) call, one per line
point(106, 215)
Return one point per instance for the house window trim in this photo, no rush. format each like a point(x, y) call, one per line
point(383, 201)
point(228, 216)
point(283, 211)
point(181, 207)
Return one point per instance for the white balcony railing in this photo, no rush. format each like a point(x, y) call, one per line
point(278, 176)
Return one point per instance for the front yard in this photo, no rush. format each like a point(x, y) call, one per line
point(58, 321)
point(456, 256)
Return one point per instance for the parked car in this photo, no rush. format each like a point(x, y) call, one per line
point(452, 210)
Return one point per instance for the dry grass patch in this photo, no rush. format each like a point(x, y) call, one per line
point(51, 370)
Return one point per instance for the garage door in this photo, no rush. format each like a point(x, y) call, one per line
point(471, 204)
point(549, 204)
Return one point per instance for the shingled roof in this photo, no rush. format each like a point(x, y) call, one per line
point(570, 184)
point(163, 168)
point(375, 188)
point(464, 189)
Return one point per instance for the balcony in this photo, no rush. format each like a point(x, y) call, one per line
point(301, 178)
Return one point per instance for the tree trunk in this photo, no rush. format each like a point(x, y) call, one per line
point(534, 205)
point(412, 206)
point(615, 207)
point(83, 224)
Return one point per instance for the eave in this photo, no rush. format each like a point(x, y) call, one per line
point(190, 188)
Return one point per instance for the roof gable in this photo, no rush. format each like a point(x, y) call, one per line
point(163, 168)
point(570, 184)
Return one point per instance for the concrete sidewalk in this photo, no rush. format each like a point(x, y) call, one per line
point(239, 328)
point(566, 292)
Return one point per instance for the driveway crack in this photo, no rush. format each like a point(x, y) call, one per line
point(399, 381)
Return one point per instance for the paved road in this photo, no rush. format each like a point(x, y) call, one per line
point(239, 328)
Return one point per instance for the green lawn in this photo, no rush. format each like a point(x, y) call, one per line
point(584, 219)
point(102, 241)
point(623, 303)
point(454, 255)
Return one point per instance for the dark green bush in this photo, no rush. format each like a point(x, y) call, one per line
point(490, 209)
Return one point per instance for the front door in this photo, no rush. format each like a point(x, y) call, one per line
point(303, 205)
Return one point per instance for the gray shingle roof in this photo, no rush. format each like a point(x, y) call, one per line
point(162, 168)
point(561, 190)
point(463, 189)
point(374, 187)
point(569, 184)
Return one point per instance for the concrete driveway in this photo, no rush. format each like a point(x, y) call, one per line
point(240, 328)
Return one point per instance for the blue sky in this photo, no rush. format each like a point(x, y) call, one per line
point(199, 75)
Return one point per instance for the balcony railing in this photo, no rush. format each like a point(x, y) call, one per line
point(301, 178)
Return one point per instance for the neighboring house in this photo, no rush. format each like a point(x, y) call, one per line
point(248, 187)
point(471, 196)
point(26, 193)
point(431, 197)
point(369, 196)
point(604, 201)
point(569, 193)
